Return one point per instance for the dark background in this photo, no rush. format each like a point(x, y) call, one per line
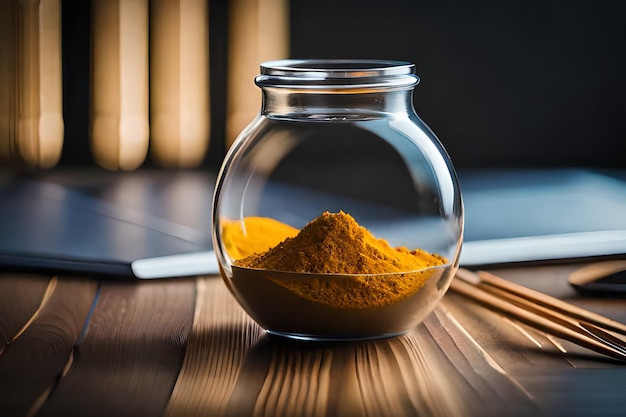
point(504, 83)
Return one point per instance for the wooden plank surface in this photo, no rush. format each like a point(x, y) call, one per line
point(20, 297)
point(37, 357)
point(232, 368)
point(184, 347)
point(221, 336)
point(127, 361)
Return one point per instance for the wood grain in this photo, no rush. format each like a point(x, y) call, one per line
point(186, 348)
point(297, 382)
point(20, 297)
point(127, 361)
point(31, 364)
point(232, 368)
point(222, 334)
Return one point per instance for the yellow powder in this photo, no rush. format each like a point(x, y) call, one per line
point(337, 244)
point(339, 263)
point(254, 235)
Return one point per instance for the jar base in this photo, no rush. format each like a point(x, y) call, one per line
point(303, 337)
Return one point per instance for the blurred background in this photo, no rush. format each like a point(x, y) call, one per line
point(125, 86)
point(536, 83)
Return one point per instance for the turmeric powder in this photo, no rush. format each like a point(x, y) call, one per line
point(254, 235)
point(335, 261)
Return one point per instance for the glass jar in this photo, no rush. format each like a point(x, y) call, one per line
point(337, 136)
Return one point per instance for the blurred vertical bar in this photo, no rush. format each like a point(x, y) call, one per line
point(119, 120)
point(258, 31)
point(8, 42)
point(179, 82)
point(51, 126)
point(31, 83)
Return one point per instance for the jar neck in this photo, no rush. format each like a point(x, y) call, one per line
point(366, 103)
point(336, 88)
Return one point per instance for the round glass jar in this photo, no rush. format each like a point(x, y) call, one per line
point(337, 136)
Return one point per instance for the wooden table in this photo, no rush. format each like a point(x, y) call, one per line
point(79, 346)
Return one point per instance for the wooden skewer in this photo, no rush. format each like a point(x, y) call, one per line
point(551, 302)
point(589, 336)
